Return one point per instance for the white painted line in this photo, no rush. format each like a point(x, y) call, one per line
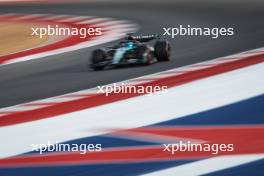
point(207, 166)
point(59, 99)
point(88, 91)
point(18, 108)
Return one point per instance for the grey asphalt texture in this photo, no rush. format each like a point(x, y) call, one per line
point(67, 72)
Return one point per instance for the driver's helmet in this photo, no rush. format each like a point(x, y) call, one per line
point(130, 37)
point(129, 45)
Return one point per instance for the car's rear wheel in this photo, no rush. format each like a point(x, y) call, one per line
point(162, 50)
point(98, 56)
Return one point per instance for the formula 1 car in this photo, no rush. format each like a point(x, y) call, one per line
point(130, 51)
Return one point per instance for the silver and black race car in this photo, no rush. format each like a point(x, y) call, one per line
point(132, 50)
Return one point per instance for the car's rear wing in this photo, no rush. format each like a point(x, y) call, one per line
point(146, 38)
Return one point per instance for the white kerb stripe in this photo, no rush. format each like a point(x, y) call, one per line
point(95, 20)
point(74, 19)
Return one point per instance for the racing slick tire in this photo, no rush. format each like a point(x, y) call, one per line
point(162, 50)
point(98, 56)
point(144, 53)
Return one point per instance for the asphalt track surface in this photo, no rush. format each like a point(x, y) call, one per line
point(60, 74)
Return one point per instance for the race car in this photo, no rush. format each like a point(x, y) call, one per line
point(130, 51)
